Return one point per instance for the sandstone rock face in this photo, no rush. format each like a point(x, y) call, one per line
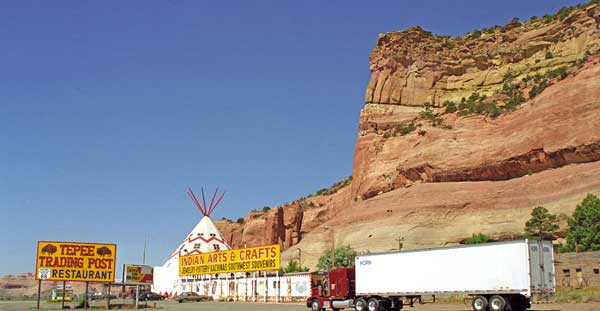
point(412, 67)
point(436, 186)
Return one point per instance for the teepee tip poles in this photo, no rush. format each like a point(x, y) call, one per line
point(196, 202)
point(206, 211)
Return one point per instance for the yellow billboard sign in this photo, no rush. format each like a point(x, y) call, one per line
point(237, 260)
point(75, 261)
point(138, 274)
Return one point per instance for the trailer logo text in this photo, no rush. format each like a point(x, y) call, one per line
point(365, 262)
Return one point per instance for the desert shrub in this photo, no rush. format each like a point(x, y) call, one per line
point(559, 73)
point(405, 129)
point(549, 55)
point(266, 209)
point(430, 115)
point(582, 60)
point(240, 220)
point(478, 238)
point(335, 187)
point(448, 45)
point(488, 109)
point(564, 12)
point(538, 88)
point(451, 106)
point(475, 34)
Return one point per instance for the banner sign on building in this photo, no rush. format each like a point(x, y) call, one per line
point(75, 261)
point(138, 274)
point(237, 260)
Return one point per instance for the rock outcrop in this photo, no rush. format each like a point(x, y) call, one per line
point(414, 67)
point(444, 178)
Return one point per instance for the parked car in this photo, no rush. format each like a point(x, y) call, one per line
point(190, 296)
point(146, 296)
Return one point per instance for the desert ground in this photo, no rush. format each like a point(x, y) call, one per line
point(236, 306)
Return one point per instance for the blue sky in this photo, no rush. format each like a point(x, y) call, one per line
point(109, 110)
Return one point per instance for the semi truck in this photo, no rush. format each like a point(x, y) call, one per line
point(498, 276)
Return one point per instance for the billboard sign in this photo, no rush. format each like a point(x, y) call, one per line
point(75, 261)
point(259, 258)
point(138, 274)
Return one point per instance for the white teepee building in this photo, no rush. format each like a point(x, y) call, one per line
point(204, 238)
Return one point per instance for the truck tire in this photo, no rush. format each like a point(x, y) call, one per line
point(360, 304)
point(315, 305)
point(480, 303)
point(497, 303)
point(373, 304)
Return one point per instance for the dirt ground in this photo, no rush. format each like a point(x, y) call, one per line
point(236, 306)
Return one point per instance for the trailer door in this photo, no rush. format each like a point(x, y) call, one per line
point(541, 261)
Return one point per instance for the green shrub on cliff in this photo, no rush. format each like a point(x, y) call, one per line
point(451, 106)
point(335, 187)
point(478, 238)
point(404, 129)
point(429, 114)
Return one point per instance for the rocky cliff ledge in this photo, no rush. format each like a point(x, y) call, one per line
point(458, 136)
point(414, 68)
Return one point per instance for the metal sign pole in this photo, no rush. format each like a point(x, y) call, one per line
point(39, 292)
point(85, 301)
point(278, 288)
point(63, 294)
point(137, 296)
point(108, 297)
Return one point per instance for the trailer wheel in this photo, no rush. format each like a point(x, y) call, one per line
point(315, 305)
point(497, 303)
point(360, 304)
point(373, 304)
point(480, 303)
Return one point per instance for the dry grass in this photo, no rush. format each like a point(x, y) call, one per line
point(571, 295)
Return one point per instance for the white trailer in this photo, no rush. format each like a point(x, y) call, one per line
point(500, 276)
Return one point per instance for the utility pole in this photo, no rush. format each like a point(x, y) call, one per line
point(300, 258)
point(144, 255)
point(332, 246)
point(332, 250)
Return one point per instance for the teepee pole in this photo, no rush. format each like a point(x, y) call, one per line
point(210, 206)
point(217, 203)
point(203, 200)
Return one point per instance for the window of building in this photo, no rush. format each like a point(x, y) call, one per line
point(216, 246)
point(197, 246)
point(567, 273)
point(212, 234)
point(596, 271)
point(578, 270)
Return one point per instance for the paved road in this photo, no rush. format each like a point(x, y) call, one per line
point(235, 306)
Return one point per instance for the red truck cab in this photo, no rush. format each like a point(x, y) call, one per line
point(333, 290)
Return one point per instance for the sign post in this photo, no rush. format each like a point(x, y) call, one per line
point(85, 300)
point(39, 293)
point(64, 291)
